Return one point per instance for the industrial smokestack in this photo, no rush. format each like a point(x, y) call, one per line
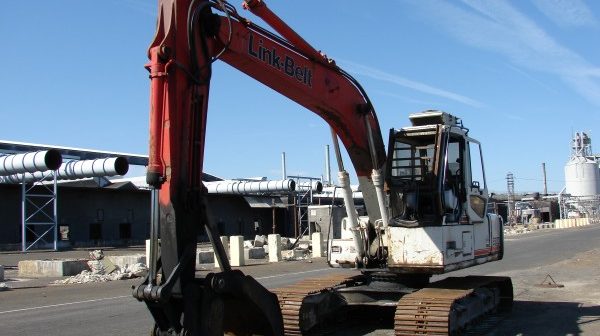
point(249, 187)
point(283, 170)
point(75, 170)
point(30, 162)
point(545, 183)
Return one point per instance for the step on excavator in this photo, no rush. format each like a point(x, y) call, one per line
point(425, 197)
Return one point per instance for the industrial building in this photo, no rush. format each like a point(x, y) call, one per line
point(99, 211)
point(580, 197)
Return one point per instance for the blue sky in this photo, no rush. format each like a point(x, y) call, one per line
point(523, 75)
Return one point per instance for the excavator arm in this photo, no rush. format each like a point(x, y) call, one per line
point(293, 68)
point(190, 36)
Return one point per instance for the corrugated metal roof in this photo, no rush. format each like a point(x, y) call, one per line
point(80, 153)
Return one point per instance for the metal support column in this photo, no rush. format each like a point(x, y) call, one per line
point(39, 213)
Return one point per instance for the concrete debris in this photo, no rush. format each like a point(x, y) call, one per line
point(285, 243)
point(254, 253)
point(96, 255)
point(515, 230)
point(99, 274)
point(260, 241)
point(99, 264)
point(296, 254)
point(3, 287)
point(51, 268)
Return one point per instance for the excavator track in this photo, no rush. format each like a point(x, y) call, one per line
point(450, 305)
point(427, 311)
point(292, 297)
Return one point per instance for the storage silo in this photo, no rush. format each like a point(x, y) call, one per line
point(582, 174)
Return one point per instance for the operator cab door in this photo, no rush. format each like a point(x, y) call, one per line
point(453, 180)
point(477, 198)
point(476, 188)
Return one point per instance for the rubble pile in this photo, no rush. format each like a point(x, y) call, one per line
point(515, 230)
point(297, 253)
point(103, 270)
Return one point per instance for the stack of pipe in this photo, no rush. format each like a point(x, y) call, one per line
point(75, 170)
point(30, 162)
point(315, 186)
point(250, 187)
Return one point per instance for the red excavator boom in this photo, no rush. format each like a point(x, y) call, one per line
point(188, 39)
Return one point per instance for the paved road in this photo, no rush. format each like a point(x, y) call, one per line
point(540, 248)
point(108, 308)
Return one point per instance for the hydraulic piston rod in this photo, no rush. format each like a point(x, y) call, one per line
point(351, 212)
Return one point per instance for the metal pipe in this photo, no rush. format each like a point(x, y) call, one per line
point(154, 229)
point(283, 169)
point(75, 170)
point(55, 210)
point(315, 186)
point(336, 148)
point(23, 219)
point(249, 187)
point(327, 165)
point(30, 162)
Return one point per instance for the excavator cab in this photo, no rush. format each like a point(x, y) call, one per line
point(436, 222)
point(426, 179)
point(436, 201)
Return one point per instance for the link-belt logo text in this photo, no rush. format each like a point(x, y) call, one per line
point(284, 63)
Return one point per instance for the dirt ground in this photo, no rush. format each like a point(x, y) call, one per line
point(570, 310)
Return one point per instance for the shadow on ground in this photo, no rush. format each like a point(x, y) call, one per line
point(533, 318)
point(528, 318)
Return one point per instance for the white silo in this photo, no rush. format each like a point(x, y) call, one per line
point(582, 174)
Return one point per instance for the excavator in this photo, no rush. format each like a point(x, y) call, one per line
point(425, 197)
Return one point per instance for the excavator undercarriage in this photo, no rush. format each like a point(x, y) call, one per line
point(445, 307)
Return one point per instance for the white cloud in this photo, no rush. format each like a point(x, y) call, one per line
point(408, 99)
point(531, 78)
point(567, 13)
point(498, 27)
point(374, 73)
